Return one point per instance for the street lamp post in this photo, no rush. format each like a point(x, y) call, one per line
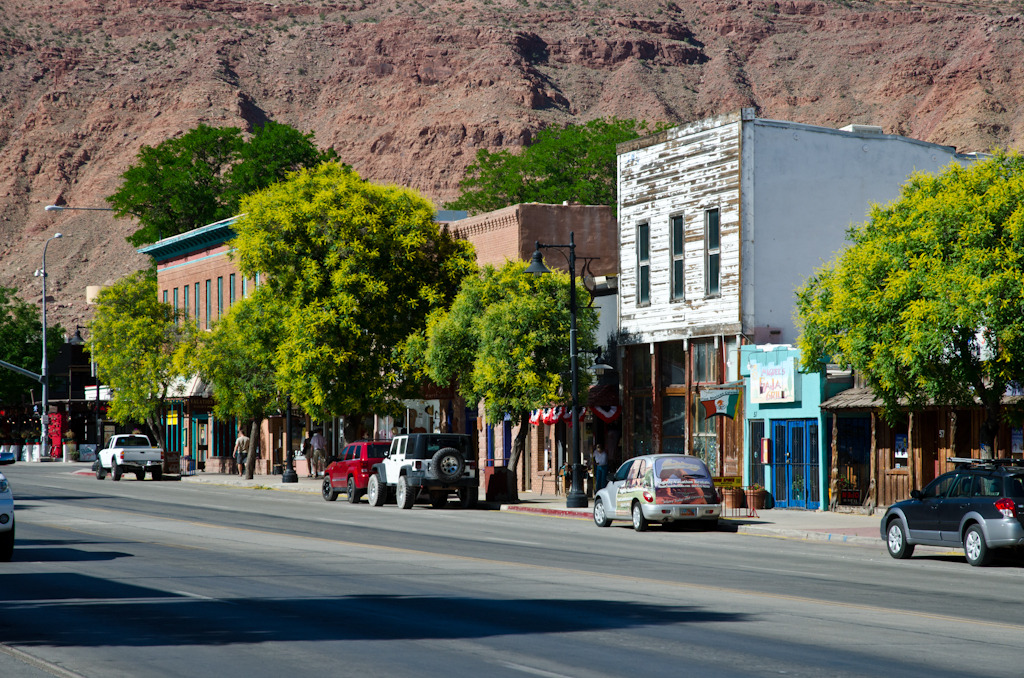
point(576, 497)
point(44, 417)
point(289, 475)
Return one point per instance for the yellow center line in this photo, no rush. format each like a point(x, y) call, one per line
point(604, 575)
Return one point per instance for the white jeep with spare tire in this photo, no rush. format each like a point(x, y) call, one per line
point(440, 463)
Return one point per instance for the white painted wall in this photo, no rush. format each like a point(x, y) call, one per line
point(803, 187)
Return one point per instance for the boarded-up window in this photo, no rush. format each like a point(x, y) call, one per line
point(713, 254)
point(643, 264)
point(678, 276)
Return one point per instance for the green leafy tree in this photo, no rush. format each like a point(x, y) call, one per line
point(238, 359)
point(358, 267)
point(199, 177)
point(574, 163)
point(928, 300)
point(21, 344)
point(134, 341)
point(505, 340)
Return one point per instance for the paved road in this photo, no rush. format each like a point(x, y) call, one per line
point(173, 579)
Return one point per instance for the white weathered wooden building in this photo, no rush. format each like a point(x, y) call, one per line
point(720, 220)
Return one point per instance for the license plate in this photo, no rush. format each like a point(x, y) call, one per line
point(686, 511)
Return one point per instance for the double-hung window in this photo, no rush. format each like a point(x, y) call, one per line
point(197, 304)
point(643, 264)
point(712, 254)
point(231, 290)
point(207, 303)
point(175, 304)
point(184, 306)
point(678, 278)
point(220, 297)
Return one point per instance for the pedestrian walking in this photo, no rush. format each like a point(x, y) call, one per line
point(600, 468)
point(241, 451)
point(318, 449)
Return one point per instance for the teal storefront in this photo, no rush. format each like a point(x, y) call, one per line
point(787, 433)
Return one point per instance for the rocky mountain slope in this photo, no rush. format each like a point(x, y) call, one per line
point(408, 90)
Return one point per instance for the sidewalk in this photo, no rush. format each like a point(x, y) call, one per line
point(845, 528)
point(311, 485)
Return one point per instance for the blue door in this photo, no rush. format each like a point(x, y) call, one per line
point(795, 469)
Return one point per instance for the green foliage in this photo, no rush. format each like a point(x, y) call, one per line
point(21, 344)
point(237, 358)
point(198, 178)
point(574, 163)
point(506, 340)
point(928, 287)
point(358, 267)
point(134, 341)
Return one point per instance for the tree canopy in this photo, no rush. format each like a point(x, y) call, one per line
point(135, 338)
point(571, 162)
point(21, 344)
point(928, 300)
point(199, 177)
point(357, 268)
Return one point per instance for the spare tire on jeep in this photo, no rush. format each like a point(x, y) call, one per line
point(448, 464)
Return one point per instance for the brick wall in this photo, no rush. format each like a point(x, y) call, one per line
point(213, 266)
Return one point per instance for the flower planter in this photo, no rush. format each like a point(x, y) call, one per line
point(732, 497)
point(755, 499)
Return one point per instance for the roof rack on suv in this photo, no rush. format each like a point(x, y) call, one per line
point(985, 462)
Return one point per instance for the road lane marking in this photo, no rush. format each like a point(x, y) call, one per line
point(513, 541)
point(533, 671)
point(41, 664)
point(202, 597)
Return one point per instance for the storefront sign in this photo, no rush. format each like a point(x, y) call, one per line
point(774, 383)
point(901, 446)
point(728, 481)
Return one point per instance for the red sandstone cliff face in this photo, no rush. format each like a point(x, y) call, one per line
point(408, 90)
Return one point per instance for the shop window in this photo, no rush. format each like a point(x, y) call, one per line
point(705, 439)
point(673, 364)
point(673, 425)
point(678, 274)
point(640, 364)
point(642, 415)
point(712, 254)
point(643, 264)
point(705, 361)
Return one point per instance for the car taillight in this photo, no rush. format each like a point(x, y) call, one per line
point(1007, 508)
point(648, 496)
point(470, 464)
point(418, 465)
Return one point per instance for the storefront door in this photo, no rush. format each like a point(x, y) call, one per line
point(201, 437)
point(795, 468)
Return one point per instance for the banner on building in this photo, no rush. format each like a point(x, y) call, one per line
point(720, 402)
point(773, 383)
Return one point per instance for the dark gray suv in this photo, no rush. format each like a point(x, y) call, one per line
point(979, 506)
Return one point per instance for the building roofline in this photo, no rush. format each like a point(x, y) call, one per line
point(200, 238)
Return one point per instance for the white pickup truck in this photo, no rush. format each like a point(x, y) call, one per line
point(129, 453)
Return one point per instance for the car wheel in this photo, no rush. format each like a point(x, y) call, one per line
point(405, 494)
point(977, 551)
point(448, 464)
point(101, 472)
point(351, 493)
point(468, 497)
point(140, 474)
point(376, 491)
point(157, 473)
point(115, 470)
point(327, 491)
point(639, 521)
point(600, 516)
point(896, 540)
point(438, 498)
point(7, 544)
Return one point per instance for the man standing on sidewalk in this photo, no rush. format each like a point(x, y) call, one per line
point(241, 451)
point(600, 468)
point(318, 447)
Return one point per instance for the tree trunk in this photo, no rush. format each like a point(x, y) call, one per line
point(988, 432)
point(871, 500)
point(952, 433)
point(254, 444)
point(518, 447)
point(911, 461)
point(157, 429)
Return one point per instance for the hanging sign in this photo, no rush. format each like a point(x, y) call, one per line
point(720, 402)
point(774, 383)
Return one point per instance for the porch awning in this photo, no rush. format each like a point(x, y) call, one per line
point(863, 399)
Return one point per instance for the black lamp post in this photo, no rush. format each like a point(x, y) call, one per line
point(289, 475)
point(576, 497)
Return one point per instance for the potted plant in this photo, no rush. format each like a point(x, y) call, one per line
point(755, 496)
point(732, 497)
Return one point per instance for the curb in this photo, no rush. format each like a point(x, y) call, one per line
point(255, 486)
point(579, 514)
point(808, 535)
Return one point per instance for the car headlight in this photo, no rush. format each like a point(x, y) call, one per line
point(4, 485)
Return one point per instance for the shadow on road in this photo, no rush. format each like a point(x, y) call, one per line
point(63, 555)
point(138, 616)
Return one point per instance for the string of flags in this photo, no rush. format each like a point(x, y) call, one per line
point(553, 415)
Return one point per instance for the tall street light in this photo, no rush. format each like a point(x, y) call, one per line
point(61, 208)
point(44, 417)
point(576, 497)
